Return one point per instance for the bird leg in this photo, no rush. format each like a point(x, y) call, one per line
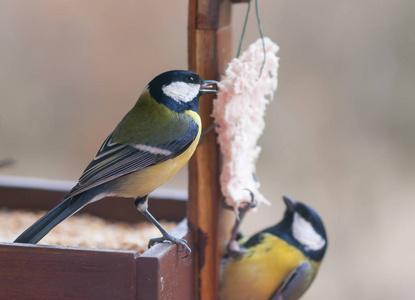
point(233, 248)
point(142, 203)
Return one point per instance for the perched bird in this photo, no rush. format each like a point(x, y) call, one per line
point(150, 144)
point(277, 263)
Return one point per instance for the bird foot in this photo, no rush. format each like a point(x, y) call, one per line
point(181, 243)
point(245, 206)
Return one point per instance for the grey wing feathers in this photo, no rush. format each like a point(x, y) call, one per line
point(114, 160)
point(292, 281)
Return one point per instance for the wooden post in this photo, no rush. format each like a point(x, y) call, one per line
point(209, 51)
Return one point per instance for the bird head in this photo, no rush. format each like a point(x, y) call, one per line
point(305, 228)
point(179, 90)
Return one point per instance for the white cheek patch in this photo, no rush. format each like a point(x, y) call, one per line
point(181, 91)
point(305, 234)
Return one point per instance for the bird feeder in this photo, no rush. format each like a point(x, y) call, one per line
point(53, 272)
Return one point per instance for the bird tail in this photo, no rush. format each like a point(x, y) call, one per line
point(62, 211)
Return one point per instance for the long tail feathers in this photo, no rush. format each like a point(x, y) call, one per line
point(52, 218)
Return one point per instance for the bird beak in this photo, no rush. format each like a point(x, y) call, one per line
point(208, 86)
point(289, 203)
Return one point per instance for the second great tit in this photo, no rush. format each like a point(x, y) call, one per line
point(277, 263)
point(150, 144)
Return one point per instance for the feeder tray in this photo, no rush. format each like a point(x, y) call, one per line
point(30, 271)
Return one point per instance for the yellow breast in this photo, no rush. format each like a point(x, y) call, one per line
point(145, 181)
point(258, 274)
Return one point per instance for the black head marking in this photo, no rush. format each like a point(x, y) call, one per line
point(156, 86)
point(284, 229)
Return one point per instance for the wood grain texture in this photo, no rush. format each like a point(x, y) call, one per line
point(204, 178)
point(204, 207)
point(207, 14)
point(163, 273)
point(224, 56)
point(50, 272)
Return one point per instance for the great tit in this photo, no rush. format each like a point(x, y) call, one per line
point(277, 263)
point(150, 144)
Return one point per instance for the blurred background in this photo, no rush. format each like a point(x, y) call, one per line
point(340, 132)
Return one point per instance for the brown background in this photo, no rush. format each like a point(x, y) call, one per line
point(340, 133)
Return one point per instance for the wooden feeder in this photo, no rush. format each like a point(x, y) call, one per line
point(52, 272)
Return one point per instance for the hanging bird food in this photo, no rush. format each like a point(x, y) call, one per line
point(239, 113)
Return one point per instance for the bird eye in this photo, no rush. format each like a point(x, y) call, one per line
point(191, 79)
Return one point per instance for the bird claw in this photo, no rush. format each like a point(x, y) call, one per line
point(243, 206)
point(181, 243)
point(247, 205)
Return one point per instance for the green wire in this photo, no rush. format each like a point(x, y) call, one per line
point(260, 32)
point(262, 37)
point(243, 30)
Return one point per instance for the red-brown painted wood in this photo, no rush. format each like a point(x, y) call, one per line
point(54, 272)
point(208, 27)
point(51, 272)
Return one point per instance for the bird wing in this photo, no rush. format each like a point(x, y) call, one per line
point(291, 282)
point(117, 158)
